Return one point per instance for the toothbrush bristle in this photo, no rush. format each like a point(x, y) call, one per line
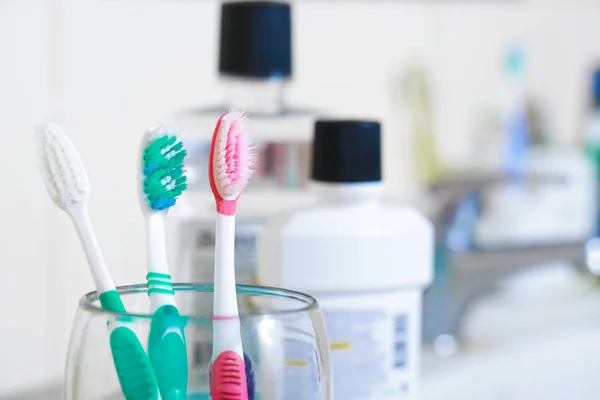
point(163, 168)
point(61, 167)
point(234, 155)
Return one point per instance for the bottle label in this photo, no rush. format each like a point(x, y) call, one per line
point(374, 343)
point(195, 263)
point(196, 254)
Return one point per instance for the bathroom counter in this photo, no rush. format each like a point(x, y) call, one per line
point(536, 338)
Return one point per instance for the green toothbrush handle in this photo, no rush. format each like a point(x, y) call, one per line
point(111, 301)
point(134, 370)
point(167, 352)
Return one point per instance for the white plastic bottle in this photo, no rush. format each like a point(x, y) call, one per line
point(366, 262)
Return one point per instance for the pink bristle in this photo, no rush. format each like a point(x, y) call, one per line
point(232, 150)
point(234, 155)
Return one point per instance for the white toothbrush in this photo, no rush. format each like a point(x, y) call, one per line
point(67, 183)
point(231, 159)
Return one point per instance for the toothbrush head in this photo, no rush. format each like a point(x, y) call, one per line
point(231, 160)
point(61, 167)
point(163, 173)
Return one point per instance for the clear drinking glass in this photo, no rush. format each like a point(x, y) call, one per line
point(282, 333)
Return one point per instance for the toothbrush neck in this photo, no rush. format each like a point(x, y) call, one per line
point(349, 193)
point(226, 206)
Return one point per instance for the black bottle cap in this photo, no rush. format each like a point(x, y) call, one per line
point(256, 39)
point(346, 151)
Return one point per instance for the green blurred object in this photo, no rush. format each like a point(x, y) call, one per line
point(417, 95)
point(592, 151)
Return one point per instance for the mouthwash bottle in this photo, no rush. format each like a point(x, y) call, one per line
point(255, 68)
point(367, 262)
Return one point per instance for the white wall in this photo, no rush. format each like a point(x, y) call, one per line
point(24, 97)
point(105, 70)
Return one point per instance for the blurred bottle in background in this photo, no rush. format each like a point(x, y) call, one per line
point(503, 134)
point(255, 67)
point(550, 189)
point(417, 97)
point(592, 133)
point(516, 126)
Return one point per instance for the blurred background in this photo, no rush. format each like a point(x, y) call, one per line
point(514, 313)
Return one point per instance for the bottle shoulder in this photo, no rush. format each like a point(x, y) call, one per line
point(362, 219)
point(378, 247)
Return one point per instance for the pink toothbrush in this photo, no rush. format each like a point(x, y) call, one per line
point(231, 159)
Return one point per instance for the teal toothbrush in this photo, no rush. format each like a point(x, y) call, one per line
point(67, 183)
point(162, 180)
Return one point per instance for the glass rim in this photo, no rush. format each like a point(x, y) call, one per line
point(308, 302)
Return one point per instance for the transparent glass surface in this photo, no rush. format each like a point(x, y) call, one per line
point(282, 333)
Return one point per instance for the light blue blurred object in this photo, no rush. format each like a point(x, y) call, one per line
point(515, 61)
point(516, 124)
point(461, 227)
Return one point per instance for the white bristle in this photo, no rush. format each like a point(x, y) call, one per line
point(61, 167)
point(239, 155)
point(166, 127)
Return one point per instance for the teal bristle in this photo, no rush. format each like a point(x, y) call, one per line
point(164, 173)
